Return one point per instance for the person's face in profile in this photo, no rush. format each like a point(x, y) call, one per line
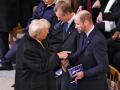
point(61, 16)
point(79, 24)
point(42, 35)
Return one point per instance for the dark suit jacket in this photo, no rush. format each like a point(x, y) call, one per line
point(93, 56)
point(59, 41)
point(70, 39)
point(114, 15)
point(33, 69)
point(69, 44)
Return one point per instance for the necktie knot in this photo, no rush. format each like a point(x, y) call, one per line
point(84, 35)
point(66, 27)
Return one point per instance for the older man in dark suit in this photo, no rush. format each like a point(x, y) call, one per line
point(91, 53)
point(34, 69)
point(65, 14)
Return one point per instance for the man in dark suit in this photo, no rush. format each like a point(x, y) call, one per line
point(68, 35)
point(94, 57)
point(91, 53)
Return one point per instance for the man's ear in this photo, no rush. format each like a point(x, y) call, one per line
point(86, 22)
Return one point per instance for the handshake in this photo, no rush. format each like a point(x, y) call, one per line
point(64, 62)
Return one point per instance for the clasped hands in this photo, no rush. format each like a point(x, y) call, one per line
point(64, 62)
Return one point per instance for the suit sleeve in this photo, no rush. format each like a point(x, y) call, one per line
point(111, 16)
point(101, 57)
point(35, 62)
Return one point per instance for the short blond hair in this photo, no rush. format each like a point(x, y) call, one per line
point(37, 25)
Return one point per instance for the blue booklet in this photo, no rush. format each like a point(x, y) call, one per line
point(72, 71)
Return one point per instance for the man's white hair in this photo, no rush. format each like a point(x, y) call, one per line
point(37, 25)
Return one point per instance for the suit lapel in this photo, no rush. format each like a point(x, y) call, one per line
point(88, 40)
point(57, 28)
point(69, 32)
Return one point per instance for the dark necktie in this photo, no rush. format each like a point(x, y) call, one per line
point(84, 39)
point(89, 6)
point(66, 27)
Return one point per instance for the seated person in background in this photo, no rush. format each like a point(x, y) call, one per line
point(114, 49)
point(108, 20)
point(109, 24)
point(44, 10)
point(93, 6)
point(91, 53)
point(34, 69)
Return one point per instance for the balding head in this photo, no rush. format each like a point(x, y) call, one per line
point(84, 15)
point(83, 20)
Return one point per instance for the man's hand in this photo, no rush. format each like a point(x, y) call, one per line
point(99, 18)
point(79, 9)
point(79, 76)
point(64, 65)
point(63, 54)
point(97, 4)
point(116, 35)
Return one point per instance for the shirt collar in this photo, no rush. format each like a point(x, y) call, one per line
point(71, 20)
point(88, 33)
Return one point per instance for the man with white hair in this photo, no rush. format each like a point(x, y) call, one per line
point(34, 71)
